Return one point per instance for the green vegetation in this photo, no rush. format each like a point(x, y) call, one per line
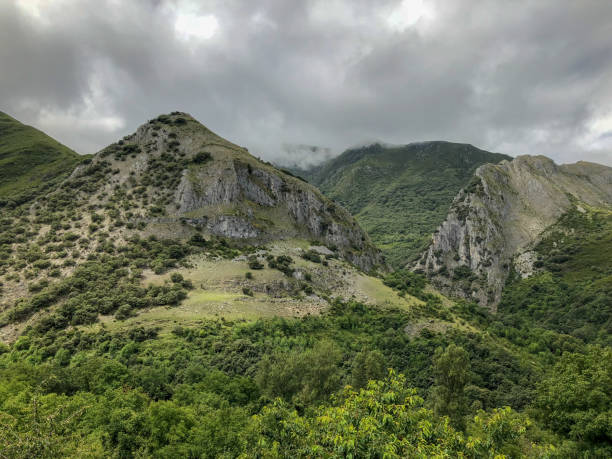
point(575, 400)
point(452, 373)
point(572, 291)
point(130, 337)
point(400, 195)
point(30, 162)
point(104, 284)
point(387, 419)
point(194, 391)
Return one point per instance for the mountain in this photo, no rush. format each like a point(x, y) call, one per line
point(172, 192)
point(183, 178)
point(30, 161)
point(399, 194)
point(564, 282)
point(176, 297)
point(495, 222)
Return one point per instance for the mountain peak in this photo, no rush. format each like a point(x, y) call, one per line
point(180, 178)
point(387, 188)
point(503, 212)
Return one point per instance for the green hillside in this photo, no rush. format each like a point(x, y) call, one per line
point(129, 329)
point(571, 291)
point(30, 161)
point(400, 195)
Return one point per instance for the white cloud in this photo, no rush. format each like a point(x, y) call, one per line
point(407, 14)
point(529, 79)
point(599, 134)
point(190, 26)
point(31, 8)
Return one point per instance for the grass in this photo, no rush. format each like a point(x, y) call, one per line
point(218, 291)
point(381, 295)
point(30, 161)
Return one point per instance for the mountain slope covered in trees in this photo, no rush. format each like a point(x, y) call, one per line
point(175, 297)
point(399, 194)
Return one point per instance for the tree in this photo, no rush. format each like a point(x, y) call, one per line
point(575, 399)
point(386, 420)
point(451, 368)
point(367, 366)
point(307, 376)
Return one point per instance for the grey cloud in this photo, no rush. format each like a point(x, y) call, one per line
point(517, 77)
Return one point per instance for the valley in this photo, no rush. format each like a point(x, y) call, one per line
point(174, 296)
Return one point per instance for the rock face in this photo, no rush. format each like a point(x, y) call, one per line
point(494, 220)
point(190, 176)
point(399, 194)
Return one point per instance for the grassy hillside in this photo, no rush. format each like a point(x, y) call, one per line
point(571, 290)
point(97, 248)
point(126, 330)
point(400, 194)
point(30, 161)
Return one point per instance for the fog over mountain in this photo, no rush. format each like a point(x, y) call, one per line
point(528, 77)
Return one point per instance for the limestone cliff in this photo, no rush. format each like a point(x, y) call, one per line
point(493, 221)
point(179, 177)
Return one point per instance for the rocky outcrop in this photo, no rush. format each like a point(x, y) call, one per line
point(201, 177)
point(493, 222)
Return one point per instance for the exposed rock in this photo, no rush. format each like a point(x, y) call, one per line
point(214, 186)
point(502, 213)
point(524, 263)
point(321, 250)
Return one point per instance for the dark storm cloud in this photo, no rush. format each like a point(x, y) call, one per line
point(517, 77)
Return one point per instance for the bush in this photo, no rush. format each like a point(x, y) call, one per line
point(198, 240)
point(247, 291)
point(311, 255)
point(254, 263)
point(124, 312)
point(201, 157)
point(282, 263)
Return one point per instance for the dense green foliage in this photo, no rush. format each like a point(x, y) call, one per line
point(575, 400)
point(452, 373)
point(30, 161)
point(572, 291)
point(437, 379)
point(192, 393)
point(400, 195)
point(388, 420)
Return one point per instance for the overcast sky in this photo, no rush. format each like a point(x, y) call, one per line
point(517, 77)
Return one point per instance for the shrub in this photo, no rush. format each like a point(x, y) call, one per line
point(283, 264)
point(125, 311)
point(311, 255)
point(201, 157)
point(254, 263)
point(198, 240)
